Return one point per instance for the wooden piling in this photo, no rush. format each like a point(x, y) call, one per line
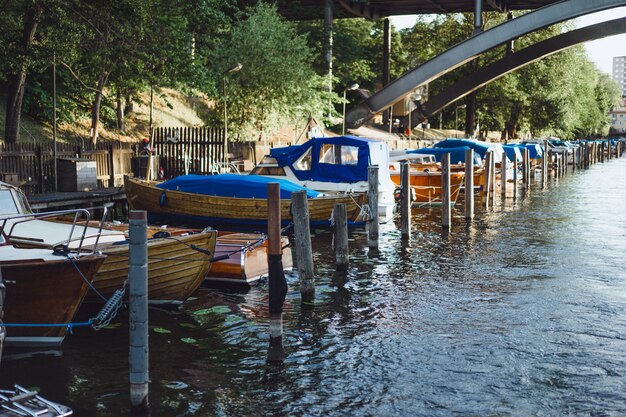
point(574, 156)
point(276, 277)
point(446, 209)
point(515, 177)
point(372, 195)
point(138, 310)
point(405, 200)
point(524, 169)
point(341, 236)
point(304, 252)
point(487, 186)
point(503, 178)
point(544, 166)
point(469, 184)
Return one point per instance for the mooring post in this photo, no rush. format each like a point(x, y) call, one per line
point(524, 170)
point(609, 149)
point(276, 276)
point(469, 184)
point(574, 155)
point(405, 199)
point(372, 196)
point(446, 209)
point(493, 179)
point(341, 236)
point(304, 252)
point(138, 309)
point(515, 177)
point(503, 168)
point(529, 169)
point(544, 168)
point(488, 157)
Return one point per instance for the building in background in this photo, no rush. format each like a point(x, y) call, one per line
point(619, 73)
point(618, 118)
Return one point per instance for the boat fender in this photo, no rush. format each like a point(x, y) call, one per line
point(163, 199)
point(161, 234)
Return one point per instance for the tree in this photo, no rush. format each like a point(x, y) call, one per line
point(277, 82)
point(20, 49)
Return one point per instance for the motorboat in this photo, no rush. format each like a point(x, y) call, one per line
point(336, 165)
point(178, 260)
point(44, 288)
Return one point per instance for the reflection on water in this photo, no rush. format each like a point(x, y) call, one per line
point(519, 313)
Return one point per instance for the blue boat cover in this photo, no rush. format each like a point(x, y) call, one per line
point(457, 155)
point(232, 185)
point(535, 150)
point(323, 166)
point(513, 152)
point(480, 148)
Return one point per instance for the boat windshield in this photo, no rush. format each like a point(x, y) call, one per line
point(7, 203)
point(339, 154)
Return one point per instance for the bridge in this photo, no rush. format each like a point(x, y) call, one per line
point(543, 14)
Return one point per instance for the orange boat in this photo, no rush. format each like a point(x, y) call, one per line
point(425, 182)
point(242, 258)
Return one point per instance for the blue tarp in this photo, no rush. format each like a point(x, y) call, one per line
point(323, 165)
point(457, 155)
point(513, 152)
point(534, 149)
point(232, 185)
point(480, 148)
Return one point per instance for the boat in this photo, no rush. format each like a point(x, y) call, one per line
point(243, 258)
point(425, 184)
point(177, 260)
point(333, 165)
point(45, 289)
point(196, 200)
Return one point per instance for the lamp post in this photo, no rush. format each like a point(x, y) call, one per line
point(234, 68)
point(456, 119)
point(351, 88)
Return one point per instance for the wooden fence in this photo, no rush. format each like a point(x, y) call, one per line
point(32, 166)
point(182, 150)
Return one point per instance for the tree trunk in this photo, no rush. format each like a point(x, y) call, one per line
point(121, 125)
point(17, 81)
point(130, 105)
point(95, 110)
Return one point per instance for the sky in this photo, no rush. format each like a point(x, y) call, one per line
point(601, 51)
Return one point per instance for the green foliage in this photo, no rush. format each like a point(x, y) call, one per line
point(277, 81)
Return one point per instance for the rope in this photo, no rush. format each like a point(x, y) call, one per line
point(85, 279)
point(364, 211)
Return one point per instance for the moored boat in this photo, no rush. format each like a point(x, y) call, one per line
point(333, 165)
point(177, 264)
point(174, 206)
point(45, 289)
point(244, 258)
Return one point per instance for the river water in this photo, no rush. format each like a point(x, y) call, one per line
point(521, 313)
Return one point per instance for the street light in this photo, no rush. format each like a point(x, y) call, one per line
point(234, 68)
point(351, 88)
point(456, 119)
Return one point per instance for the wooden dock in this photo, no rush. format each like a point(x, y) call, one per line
point(80, 199)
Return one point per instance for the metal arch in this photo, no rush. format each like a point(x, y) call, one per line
point(472, 48)
point(361, 9)
point(514, 62)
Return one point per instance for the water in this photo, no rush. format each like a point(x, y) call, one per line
point(521, 313)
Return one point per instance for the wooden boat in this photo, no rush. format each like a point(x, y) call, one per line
point(247, 258)
point(177, 263)
point(176, 267)
point(43, 288)
point(177, 207)
point(426, 186)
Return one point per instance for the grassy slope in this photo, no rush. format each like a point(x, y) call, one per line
point(184, 111)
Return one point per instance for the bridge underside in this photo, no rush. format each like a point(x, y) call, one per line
point(510, 63)
point(472, 48)
point(314, 9)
